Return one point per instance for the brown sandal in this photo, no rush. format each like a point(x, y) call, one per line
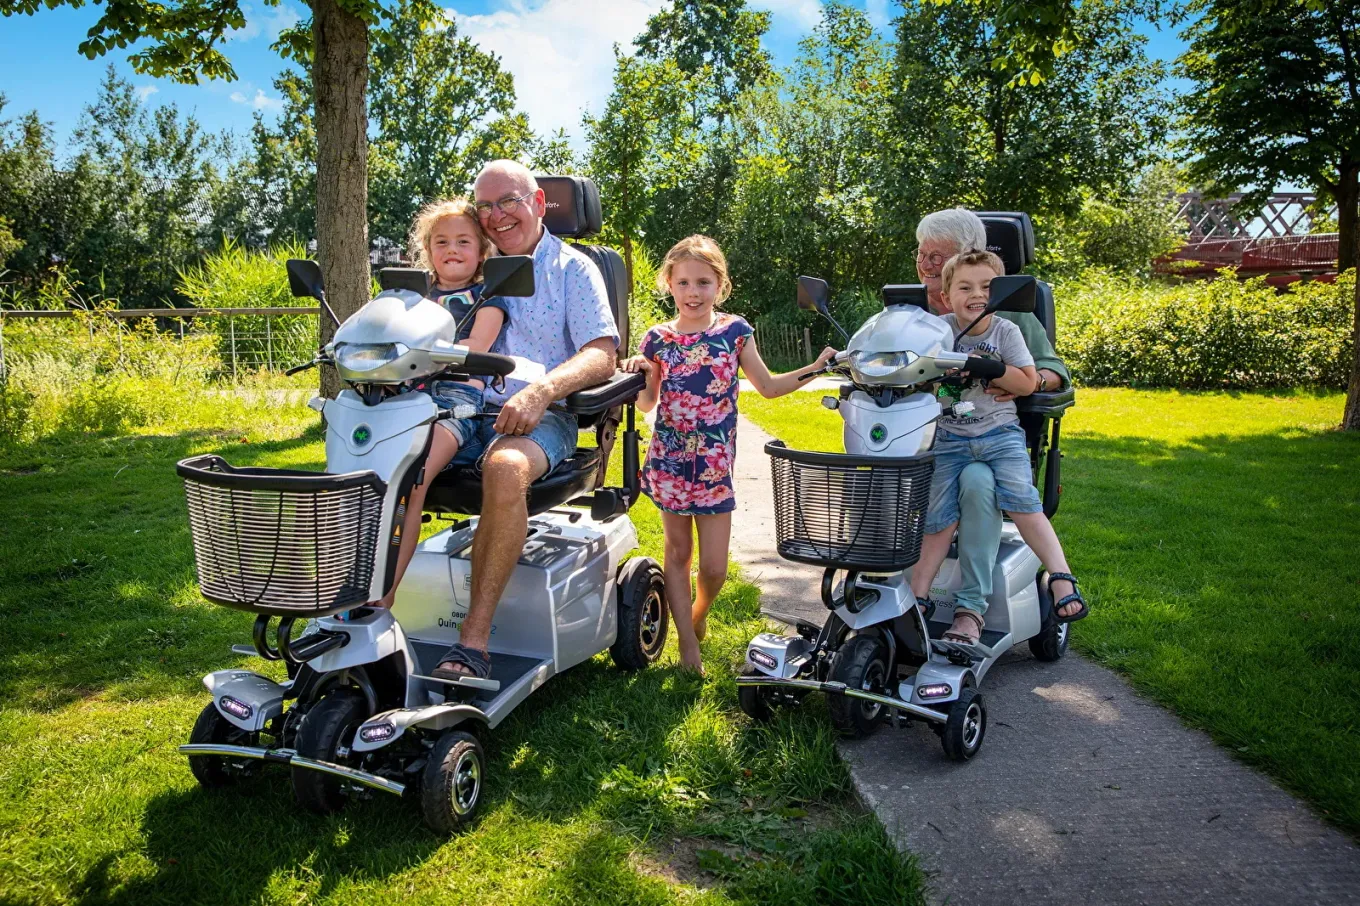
point(960, 635)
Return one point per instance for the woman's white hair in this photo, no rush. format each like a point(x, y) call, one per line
point(958, 226)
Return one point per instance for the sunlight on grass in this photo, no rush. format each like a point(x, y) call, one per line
point(601, 788)
point(1215, 536)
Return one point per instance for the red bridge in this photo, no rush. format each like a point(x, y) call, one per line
point(1277, 243)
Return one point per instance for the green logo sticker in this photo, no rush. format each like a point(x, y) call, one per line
point(878, 434)
point(362, 435)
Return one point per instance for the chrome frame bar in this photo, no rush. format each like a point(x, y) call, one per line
point(289, 757)
point(831, 688)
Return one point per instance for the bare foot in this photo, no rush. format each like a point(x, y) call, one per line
point(691, 660)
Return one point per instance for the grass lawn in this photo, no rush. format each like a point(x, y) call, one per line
point(1217, 537)
point(603, 787)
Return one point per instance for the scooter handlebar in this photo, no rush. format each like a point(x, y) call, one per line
point(488, 363)
point(987, 369)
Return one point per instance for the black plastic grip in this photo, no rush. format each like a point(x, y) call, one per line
point(987, 369)
point(487, 363)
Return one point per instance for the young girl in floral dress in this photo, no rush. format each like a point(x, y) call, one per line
point(691, 366)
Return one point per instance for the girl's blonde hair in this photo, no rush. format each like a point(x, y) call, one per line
point(696, 248)
point(969, 258)
point(418, 244)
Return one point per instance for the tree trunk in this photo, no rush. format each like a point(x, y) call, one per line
point(1348, 256)
point(340, 77)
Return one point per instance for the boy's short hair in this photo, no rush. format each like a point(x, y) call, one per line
point(969, 258)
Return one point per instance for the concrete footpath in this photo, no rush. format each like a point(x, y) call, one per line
point(1083, 792)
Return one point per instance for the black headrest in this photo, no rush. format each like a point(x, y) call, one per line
point(906, 294)
point(573, 206)
point(1010, 234)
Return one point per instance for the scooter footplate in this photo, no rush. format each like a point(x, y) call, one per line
point(957, 650)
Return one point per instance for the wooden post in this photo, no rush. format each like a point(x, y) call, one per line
point(807, 343)
point(268, 343)
point(231, 330)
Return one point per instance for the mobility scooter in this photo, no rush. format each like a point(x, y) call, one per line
point(860, 516)
point(360, 709)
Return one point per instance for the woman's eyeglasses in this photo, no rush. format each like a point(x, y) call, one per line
point(934, 259)
point(508, 205)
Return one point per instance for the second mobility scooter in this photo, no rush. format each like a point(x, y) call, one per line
point(860, 516)
point(360, 709)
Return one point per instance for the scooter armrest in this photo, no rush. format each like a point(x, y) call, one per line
point(622, 388)
point(1049, 405)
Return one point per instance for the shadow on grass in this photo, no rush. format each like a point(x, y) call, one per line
point(1224, 581)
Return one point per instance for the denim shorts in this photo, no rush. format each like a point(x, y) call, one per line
point(1001, 448)
point(555, 435)
point(451, 394)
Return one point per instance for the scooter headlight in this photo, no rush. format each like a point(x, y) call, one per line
point(881, 364)
point(368, 356)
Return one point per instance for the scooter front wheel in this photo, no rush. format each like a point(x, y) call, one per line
point(328, 727)
point(967, 725)
point(451, 784)
point(862, 663)
point(214, 771)
point(642, 614)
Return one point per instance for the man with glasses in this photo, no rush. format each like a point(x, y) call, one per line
point(939, 237)
point(567, 327)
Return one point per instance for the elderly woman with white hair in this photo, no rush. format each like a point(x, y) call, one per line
point(940, 236)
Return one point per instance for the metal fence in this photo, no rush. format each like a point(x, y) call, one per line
point(248, 339)
point(783, 346)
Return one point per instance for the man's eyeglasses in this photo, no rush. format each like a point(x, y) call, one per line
point(934, 259)
point(508, 205)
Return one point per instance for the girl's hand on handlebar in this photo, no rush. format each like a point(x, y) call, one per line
point(639, 363)
point(825, 357)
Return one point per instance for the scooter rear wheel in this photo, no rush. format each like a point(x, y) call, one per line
point(643, 615)
point(330, 724)
point(862, 663)
point(451, 783)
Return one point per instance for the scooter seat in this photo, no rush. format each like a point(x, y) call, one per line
point(460, 490)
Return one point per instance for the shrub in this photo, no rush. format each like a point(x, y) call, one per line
point(95, 374)
point(647, 306)
point(1221, 333)
point(237, 278)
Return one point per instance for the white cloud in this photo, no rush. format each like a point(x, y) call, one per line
point(145, 92)
point(560, 52)
point(237, 97)
point(264, 102)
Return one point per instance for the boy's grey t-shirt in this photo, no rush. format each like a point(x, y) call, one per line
point(1001, 340)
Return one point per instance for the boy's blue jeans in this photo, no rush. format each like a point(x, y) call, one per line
point(979, 539)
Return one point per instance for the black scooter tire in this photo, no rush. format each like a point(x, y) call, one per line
point(452, 782)
point(862, 660)
point(966, 726)
point(211, 770)
point(328, 724)
point(643, 616)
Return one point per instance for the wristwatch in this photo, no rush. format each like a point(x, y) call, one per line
point(1043, 384)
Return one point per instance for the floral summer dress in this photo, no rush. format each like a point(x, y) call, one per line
point(689, 464)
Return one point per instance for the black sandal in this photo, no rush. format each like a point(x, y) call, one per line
point(477, 662)
point(1074, 598)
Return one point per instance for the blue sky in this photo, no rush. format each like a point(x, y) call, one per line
point(559, 51)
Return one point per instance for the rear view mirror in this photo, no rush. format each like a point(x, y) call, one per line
point(508, 275)
point(1013, 292)
point(413, 278)
point(304, 279)
point(813, 295)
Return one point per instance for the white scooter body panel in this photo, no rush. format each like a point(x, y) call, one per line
point(560, 604)
point(905, 428)
point(894, 599)
point(260, 694)
point(1013, 605)
point(388, 439)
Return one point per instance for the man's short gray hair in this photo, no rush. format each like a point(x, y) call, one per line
point(958, 226)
